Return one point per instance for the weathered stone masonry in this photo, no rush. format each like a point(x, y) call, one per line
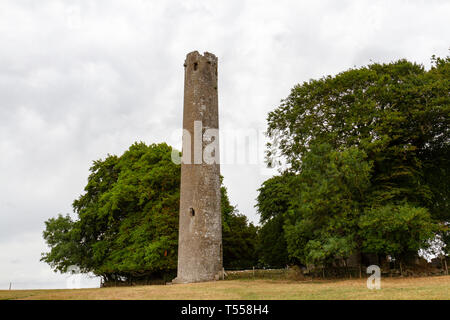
point(200, 224)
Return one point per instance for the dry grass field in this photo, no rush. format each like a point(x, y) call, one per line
point(391, 288)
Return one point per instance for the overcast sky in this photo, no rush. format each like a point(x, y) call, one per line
point(81, 79)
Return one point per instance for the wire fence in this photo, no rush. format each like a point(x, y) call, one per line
point(297, 273)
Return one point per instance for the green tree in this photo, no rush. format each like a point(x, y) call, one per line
point(273, 203)
point(127, 225)
point(322, 220)
point(274, 196)
point(127, 218)
point(59, 236)
point(272, 247)
point(397, 230)
point(395, 119)
point(398, 113)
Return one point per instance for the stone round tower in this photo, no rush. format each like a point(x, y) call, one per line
point(200, 218)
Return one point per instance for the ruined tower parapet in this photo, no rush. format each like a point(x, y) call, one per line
point(200, 219)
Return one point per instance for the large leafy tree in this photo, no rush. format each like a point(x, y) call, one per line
point(275, 196)
point(321, 224)
point(385, 124)
point(397, 230)
point(273, 202)
point(127, 221)
point(272, 246)
point(398, 113)
point(127, 218)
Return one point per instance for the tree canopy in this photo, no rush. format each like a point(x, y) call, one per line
point(362, 148)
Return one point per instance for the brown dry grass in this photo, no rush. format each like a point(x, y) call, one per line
point(391, 288)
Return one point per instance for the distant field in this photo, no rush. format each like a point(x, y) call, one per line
point(391, 288)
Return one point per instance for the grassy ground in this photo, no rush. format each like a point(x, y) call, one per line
point(391, 288)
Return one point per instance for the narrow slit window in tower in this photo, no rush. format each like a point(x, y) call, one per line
point(192, 212)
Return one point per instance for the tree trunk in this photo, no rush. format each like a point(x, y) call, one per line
point(446, 267)
point(346, 268)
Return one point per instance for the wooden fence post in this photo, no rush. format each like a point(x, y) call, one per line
point(446, 267)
